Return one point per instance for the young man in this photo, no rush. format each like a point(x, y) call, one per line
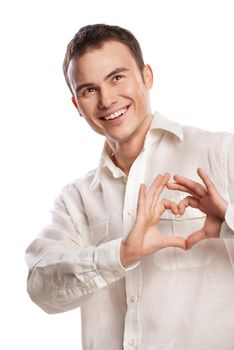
point(119, 244)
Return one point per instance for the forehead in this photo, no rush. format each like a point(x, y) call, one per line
point(98, 62)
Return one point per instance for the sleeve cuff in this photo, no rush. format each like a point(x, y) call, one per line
point(107, 259)
point(227, 229)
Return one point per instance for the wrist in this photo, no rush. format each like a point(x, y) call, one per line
point(127, 258)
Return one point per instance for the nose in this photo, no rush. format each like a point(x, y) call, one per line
point(107, 98)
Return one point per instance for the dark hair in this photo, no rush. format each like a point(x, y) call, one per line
point(93, 36)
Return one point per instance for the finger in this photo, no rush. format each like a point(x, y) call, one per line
point(175, 186)
point(195, 238)
point(193, 186)
point(188, 202)
point(141, 200)
point(157, 187)
point(165, 204)
point(210, 186)
point(166, 178)
point(157, 183)
point(173, 241)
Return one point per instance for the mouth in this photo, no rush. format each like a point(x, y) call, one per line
point(115, 115)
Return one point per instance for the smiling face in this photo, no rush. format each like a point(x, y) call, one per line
point(110, 92)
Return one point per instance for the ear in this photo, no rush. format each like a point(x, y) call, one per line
point(148, 76)
point(76, 105)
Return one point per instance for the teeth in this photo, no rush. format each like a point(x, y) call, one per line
point(116, 114)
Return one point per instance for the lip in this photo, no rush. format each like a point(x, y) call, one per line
point(117, 120)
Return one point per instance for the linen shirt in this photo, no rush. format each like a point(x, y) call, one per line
point(172, 299)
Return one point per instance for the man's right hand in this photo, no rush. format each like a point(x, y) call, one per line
point(145, 238)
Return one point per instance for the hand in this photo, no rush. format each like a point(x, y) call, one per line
point(205, 198)
point(145, 238)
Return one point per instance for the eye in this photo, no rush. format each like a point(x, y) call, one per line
point(89, 91)
point(117, 77)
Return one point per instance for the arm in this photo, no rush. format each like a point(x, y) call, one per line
point(63, 270)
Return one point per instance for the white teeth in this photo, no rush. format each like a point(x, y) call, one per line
point(116, 114)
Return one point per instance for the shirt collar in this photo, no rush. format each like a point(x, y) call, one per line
point(160, 122)
point(105, 163)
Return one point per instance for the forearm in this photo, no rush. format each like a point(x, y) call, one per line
point(62, 276)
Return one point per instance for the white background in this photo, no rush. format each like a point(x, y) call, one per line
point(44, 144)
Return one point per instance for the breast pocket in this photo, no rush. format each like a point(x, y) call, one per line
point(101, 230)
point(94, 232)
point(200, 255)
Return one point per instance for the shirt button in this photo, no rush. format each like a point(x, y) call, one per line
point(133, 299)
point(129, 213)
point(132, 342)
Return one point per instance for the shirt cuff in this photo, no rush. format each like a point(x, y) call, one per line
point(107, 259)
point(227, 229)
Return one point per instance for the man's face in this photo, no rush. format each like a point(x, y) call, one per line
point(110, 92)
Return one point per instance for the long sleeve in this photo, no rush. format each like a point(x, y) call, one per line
point(228, 226)
point(64, 271)
point(230, 176)
point(228, 164)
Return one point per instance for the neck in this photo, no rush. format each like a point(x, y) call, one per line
point(123, 154)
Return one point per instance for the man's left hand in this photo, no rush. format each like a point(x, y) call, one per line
point(205, 198)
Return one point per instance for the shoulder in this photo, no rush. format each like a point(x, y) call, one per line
point(204, 138)
point(72, 191)
point(70, 198)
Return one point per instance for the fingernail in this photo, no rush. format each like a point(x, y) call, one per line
point(179, 217)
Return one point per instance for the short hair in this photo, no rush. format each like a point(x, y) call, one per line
point(94, 36)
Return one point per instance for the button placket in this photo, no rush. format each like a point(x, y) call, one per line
point(132, 333)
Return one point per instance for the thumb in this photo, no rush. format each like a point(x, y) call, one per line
point(174, 241)
point(194, 238)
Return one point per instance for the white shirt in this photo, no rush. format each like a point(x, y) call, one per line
point(172, 299)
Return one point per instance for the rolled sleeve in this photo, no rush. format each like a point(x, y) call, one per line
point(107, 259)
point(229, 217)
point(227, 230)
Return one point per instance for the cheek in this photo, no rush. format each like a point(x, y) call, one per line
point(142, 98)
point(133, 89)
point(87, 107)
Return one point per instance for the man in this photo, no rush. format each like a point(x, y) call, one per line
point(119, 244)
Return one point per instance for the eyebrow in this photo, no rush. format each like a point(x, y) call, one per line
point(115, 71)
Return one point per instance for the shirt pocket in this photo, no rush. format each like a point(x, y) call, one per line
point(201, 254)
point(94, 232)
point(99, 231)
point(106, 229)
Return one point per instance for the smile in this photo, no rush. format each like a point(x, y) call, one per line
point(115, 115)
